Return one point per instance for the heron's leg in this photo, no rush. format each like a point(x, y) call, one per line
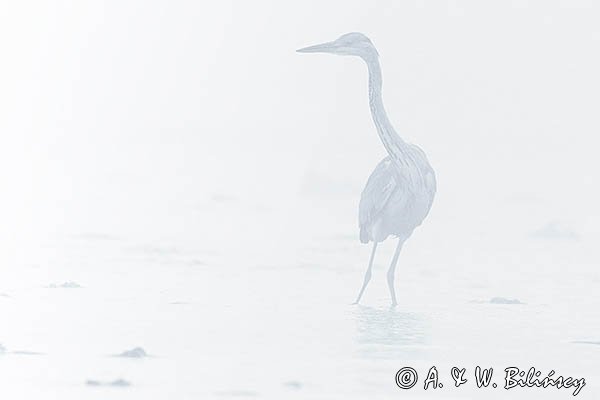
point(392, 271)
point(367, 274)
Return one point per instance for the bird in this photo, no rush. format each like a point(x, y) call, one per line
point(400, 191)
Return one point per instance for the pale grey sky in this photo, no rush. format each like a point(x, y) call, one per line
point(116, 111)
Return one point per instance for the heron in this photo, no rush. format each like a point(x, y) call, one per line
point(400, 190)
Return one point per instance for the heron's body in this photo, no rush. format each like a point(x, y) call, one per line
point(395, 201)
point(400, 191)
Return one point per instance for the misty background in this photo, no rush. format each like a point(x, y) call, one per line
point(175, 134)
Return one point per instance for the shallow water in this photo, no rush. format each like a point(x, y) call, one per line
point(220, 323)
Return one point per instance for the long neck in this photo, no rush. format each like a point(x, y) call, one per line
point(393, 143)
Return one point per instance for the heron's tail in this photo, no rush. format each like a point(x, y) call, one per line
point(364, 235)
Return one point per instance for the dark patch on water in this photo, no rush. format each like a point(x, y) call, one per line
point(293, 385)
point(586, 342)
point(116, 383)
point(555, 231)
point(26, 353)
point(65, 285)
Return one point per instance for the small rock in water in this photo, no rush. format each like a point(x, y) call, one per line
point(503, 300)
point(66, 285)
point(137, 352)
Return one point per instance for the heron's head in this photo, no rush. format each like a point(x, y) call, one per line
point(350, 44)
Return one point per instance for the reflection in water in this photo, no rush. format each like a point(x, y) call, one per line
point(389, 333)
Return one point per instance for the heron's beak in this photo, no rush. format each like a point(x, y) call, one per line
point(318, 48)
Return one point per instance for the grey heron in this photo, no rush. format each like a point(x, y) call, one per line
point(400, 191)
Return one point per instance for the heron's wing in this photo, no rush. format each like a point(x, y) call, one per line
point(377, 192)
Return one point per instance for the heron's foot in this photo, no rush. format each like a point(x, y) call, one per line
point(355, 303)
point(394, 304)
